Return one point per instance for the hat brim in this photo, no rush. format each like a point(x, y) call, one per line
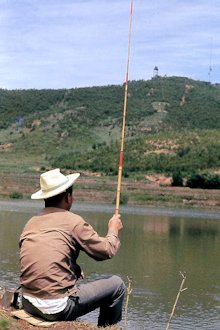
point(47, 194)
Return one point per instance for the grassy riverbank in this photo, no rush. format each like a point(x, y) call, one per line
point(143, 191)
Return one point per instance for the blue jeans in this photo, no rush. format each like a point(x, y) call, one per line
point(106, 294)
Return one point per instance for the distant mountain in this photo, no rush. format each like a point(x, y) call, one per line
point(172, 124)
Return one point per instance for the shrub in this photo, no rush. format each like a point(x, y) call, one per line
point(16, 195)
point(177, 180)
point(123, 199)
point(204, 181)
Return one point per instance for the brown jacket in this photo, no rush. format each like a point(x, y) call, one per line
point(49, 246)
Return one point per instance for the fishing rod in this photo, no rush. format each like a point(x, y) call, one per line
point(120, 167)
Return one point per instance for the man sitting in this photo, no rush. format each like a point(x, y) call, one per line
point(50, 244)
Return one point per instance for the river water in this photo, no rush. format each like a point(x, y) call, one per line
point(156, 245)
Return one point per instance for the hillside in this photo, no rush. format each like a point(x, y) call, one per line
point(172, 125)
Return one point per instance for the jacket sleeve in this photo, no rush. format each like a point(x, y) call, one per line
point(97, 247)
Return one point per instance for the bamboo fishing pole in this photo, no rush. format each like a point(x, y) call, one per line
point(120, 167)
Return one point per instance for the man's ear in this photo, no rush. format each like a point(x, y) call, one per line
point(68, 198)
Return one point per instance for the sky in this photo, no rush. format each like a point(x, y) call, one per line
point(79, 43)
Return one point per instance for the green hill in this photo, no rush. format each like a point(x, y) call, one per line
point(172, 125)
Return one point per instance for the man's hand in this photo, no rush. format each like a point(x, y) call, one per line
point(115, 223)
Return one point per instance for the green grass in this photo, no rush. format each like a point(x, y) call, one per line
point(144, 197)
point(4, 324)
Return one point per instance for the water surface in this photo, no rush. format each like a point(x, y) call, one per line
point(155, 247)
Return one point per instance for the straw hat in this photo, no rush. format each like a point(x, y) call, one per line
point(53, 183)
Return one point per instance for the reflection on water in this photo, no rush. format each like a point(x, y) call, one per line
point(154, 249)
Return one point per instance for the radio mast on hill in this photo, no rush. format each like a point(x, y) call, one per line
point(209, 73)
point(210, 63)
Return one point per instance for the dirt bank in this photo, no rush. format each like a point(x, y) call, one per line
point(11, 323)
point(150, 191)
